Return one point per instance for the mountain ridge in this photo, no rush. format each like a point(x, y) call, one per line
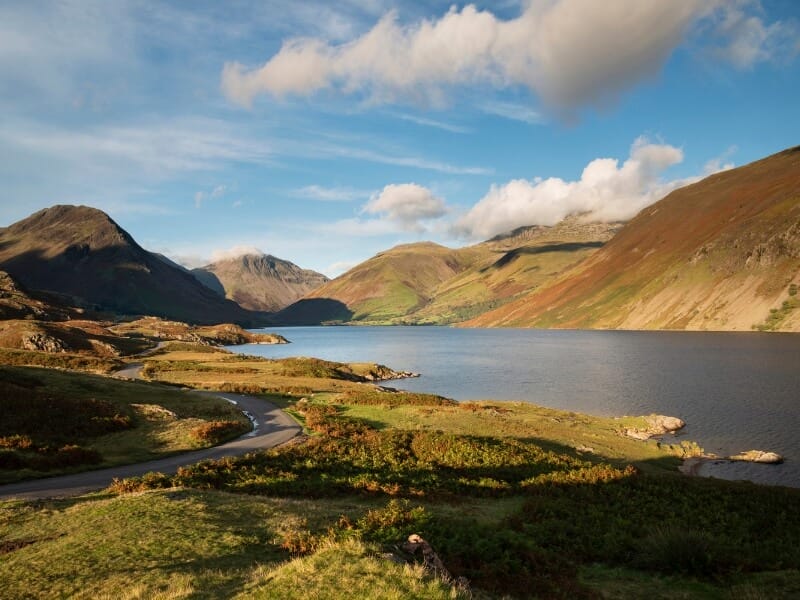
point(719, 254)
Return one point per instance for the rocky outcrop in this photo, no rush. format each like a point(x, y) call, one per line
point(656, 425)
point(758, 456)
point(384, 373)
point(41, 342)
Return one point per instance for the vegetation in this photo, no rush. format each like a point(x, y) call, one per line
point(569, 512)
point(73, 362)
point(777, 316)
point(518, 500)
point(223, 334)
point(52, 421)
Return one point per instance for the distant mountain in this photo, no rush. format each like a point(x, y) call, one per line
point(721, 254)
point(82, 253)
point(259, 281)
point(426, 283)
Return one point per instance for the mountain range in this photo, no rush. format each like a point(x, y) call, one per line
point(426, 283)
point(720, 254)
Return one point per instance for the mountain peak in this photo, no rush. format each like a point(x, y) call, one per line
point(259, 281)
point(66, 225)
point(80, 252)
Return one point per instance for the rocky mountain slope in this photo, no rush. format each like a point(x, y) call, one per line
point(259, 281)
point(426, 283)
point(80, 252)
point(16, 302)
point(721, 254)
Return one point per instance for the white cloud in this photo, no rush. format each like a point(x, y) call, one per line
point(434, 123)
point(331, 194)
point(198, 199)
point(606, 191)
point(569, 52)
point(342, 266)
point(747, 39)
point(407, 204)
point(235, 252)
point(515, 112)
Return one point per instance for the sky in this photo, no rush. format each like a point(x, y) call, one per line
point(325, 132)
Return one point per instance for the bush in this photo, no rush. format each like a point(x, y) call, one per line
point(678, 550)
point(216, 432)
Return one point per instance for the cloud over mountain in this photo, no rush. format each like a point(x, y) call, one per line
point(606, 191)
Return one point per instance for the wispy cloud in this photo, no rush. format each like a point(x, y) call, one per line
point(513, 111)
point(331, 194)
point(157, 147)
point(433, 123)
point(401, 161)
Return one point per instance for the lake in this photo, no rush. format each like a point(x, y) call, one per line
point(736, 391)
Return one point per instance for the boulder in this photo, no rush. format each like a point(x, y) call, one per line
point(758, 456)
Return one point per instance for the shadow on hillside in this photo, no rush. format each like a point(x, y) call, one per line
point(565, 247)
point(313, 311)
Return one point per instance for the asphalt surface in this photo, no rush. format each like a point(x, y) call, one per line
point(272, 427)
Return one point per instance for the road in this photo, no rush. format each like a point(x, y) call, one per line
point(272, 427)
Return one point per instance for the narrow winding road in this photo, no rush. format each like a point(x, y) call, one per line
point(272, 427)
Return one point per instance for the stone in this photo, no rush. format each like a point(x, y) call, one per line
point(758, 456)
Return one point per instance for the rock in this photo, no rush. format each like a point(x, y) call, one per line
point(660, 424)
point(758, 456)
point(41, 342)
point(656, 425)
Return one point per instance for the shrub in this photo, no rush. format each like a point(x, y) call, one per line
point(679, 550)
point(215, 432)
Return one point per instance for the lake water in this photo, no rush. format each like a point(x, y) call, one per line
point(736, 391)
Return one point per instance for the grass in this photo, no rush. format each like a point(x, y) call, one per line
point(250, 374)
point(564, 511)
point(115, 422)
point(520, 500)
point(73, 362)
point(777, 316)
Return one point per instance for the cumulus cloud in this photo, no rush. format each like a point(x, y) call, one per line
point(606, 191)
point(569, 52)
point(406, 204)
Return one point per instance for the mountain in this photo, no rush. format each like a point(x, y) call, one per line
point(721, 254)
point(80, 252)
point(259, 281)
point(425, 283)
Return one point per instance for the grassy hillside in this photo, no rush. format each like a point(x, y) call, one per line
point(513, 513)
point(53, 422)
point(722, 254)
point(429, 284)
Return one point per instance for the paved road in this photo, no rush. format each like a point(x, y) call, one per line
point(272, 428)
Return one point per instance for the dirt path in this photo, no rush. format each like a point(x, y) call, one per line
point(272, 427)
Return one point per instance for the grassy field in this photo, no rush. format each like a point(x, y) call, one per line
point(518, 500)
point(54, 421)
point(196, 367)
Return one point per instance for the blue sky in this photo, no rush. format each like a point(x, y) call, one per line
point(325, 132)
